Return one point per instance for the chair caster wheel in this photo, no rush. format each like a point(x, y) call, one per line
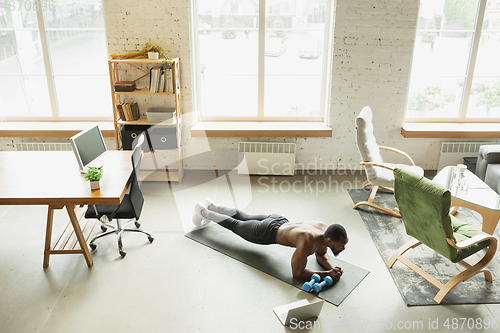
point(137, 225)
point(123, 254)
point(103, 228)
point(151, 239)
point(93, 246)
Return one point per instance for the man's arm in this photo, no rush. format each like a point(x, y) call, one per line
point(299, 262)
point(323, 259)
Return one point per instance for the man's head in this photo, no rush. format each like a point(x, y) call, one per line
point(336, 238)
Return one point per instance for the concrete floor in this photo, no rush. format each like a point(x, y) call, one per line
point(178, 285)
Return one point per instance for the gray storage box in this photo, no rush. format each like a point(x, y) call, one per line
point(160, 114)
point(163, 138)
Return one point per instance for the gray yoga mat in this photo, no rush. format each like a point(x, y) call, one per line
point(275, 261)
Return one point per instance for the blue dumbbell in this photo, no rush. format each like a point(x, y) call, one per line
point(326, 282)
point(307, 286)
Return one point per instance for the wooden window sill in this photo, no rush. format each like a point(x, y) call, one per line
point(261, 129)
point(52, 129)
point(451, 130)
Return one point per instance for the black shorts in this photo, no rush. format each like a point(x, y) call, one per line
point(269, 228)
point(256, 231)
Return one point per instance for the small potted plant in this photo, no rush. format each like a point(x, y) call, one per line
point(93, 175)
point(153, 51)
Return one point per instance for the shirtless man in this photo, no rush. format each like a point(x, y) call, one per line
point(307, 238)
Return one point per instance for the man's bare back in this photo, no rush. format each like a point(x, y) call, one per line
point(289, 234)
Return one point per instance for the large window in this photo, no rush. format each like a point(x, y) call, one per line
point(264, 60)
point(456, 70)
point(53, 60)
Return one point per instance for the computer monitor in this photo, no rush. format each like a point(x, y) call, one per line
point(88, 146)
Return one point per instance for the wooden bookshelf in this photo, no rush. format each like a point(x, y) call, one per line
point(159, 173)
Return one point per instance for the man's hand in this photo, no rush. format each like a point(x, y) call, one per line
point(335, 273)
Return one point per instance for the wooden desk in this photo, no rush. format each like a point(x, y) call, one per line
point(53, 179)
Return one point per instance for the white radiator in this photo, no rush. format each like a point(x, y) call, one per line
point(43, 146)
point(453, 153)
point(266, 158)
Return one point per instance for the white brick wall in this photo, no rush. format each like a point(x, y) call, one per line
point(371, 62)
point(371, 58)
point(373, 45)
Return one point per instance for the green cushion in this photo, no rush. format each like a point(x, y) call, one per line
point(463, 231)
point(425, 209)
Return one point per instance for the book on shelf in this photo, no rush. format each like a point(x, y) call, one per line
point(154, 79)
point(128, 111)
point(135, 111)
point(124, 83)
point(125, 88)
point(162, 83)
point(168, 81)
point(121, 113)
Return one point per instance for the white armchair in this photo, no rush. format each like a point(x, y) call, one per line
point(378, 173)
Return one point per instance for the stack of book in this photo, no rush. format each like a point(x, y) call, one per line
point(161, 82)
point(124, 86)
point(128, 111)
point(155, 79)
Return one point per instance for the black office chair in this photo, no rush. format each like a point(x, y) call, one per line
point(130, 207)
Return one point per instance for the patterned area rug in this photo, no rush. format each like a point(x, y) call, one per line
point(388, 234)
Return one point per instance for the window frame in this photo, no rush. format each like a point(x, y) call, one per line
point(325, 79)
point(469, 76)
point(49, 76)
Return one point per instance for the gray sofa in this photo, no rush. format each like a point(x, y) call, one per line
point(488, 166)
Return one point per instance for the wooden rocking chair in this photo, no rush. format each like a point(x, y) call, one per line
point(425, 207)
point(378, 173)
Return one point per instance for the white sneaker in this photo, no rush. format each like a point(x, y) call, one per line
point(198, 218)
point(207, 202)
